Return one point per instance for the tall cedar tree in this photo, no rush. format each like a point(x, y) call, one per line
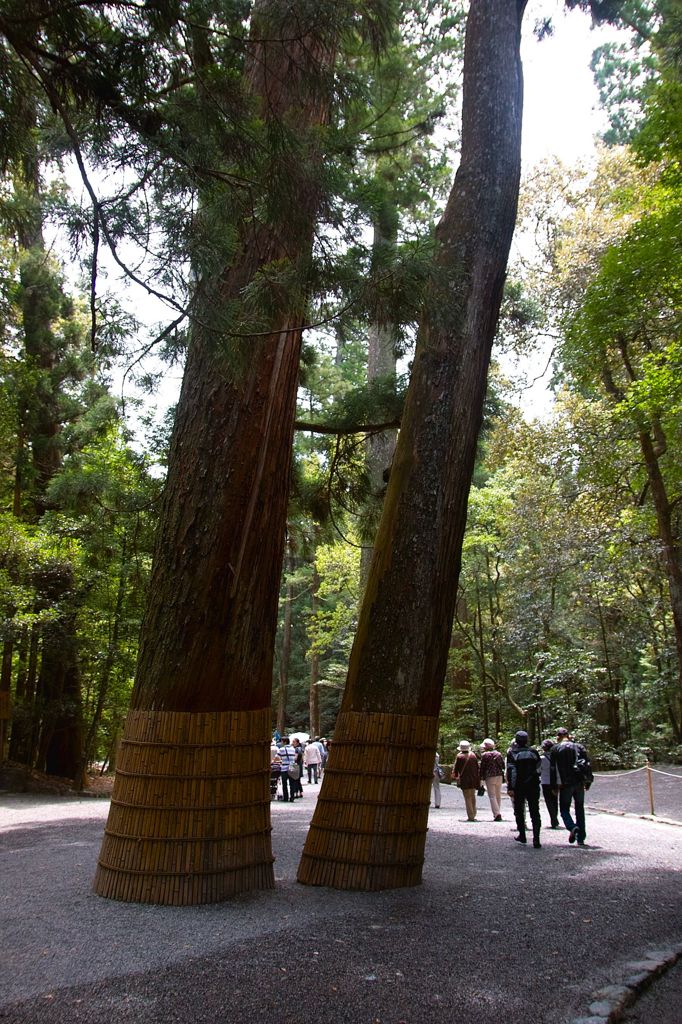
point(52, 366)
point(206, 654)
point(371, 834)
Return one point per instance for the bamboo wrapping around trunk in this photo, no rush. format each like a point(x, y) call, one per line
point(369, 827)
point(190, 812)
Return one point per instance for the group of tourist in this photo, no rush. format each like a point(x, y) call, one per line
point(560, 769)
point(290, 760)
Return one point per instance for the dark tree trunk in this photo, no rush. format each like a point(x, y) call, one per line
point(26, 724)
point(672, 553)
point(39, 413)
point(314, 693)
point(5, 688)
point(375, 838)
point(108, 666)
point(61, 737)
point(60, 745)
point(198, 733)
point(286, 647)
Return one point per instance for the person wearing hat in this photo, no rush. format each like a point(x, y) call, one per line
point(492, 774)
point(548, 790)
point(466, 774)
point(523, 783)
point(571, 777)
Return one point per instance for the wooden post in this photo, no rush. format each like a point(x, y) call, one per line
point(650, 780)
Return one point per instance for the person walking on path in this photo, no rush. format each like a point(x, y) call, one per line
point(548, 791)
point(287, 756)
point(297, 784)
point(492, 774)
point(571, 778)
point(437, 776)
point(523, 782)
point(312, 759)
point(466, 774)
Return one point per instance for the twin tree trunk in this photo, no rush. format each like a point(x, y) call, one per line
point(369, 827)
point(190, 817)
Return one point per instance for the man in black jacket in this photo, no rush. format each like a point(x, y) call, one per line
point(571, 774)
point(523, 785)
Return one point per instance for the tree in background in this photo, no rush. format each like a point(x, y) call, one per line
point(52, 379)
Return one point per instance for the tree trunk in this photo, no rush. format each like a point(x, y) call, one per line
point(61, 736)
point(286, 647)
point(370, 834)
point(672, 553)
point(314, 694)
point(484, 674)
point(5, 702)
point(39, 417)
point(108, 666)
point(191, 822)
point(381, 363)
point(26, 724)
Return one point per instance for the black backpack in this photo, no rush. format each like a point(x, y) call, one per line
point(582, 769)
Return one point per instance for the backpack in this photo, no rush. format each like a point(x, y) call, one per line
point(582, 769)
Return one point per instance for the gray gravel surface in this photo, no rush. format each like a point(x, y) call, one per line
point(496, 930)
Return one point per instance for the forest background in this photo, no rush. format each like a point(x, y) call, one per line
point(570, 600)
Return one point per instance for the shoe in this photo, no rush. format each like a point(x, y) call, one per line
point(581, 842)
point(573, 835)
point(471, 819)
point(555, 827)
point(536, 844)
point(520, 839)
point(498, 817)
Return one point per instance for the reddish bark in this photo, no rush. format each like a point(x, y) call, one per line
point(400, 652)
point(399, 657)
point(208, 634)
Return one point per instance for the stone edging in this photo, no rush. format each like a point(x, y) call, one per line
point(608, 1004)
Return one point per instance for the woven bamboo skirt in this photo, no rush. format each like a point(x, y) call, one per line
point(190, 813)
point(369, 827)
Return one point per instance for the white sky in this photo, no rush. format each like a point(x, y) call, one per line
point(561, 119)
point(560, 115)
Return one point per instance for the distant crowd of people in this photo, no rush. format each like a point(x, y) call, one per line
point(561, 769)
point(290, 760)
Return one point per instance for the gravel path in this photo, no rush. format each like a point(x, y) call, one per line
point(497, 930)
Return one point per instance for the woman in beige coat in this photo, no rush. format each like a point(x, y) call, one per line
point(466, 774)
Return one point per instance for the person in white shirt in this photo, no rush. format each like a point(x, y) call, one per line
point(312, 760)
point(287, 756)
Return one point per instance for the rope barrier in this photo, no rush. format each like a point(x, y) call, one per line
point(650, 771)
point(671, 775)
point(633, 771)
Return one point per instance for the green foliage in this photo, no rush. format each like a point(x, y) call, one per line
point(331, 627)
